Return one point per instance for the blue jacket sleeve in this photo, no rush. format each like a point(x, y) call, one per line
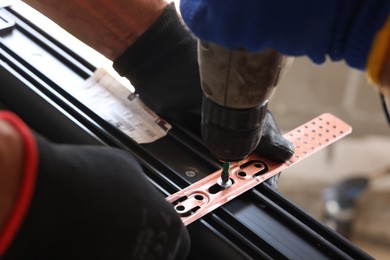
point(340, 29)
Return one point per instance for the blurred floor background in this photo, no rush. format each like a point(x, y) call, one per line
point(309, 90)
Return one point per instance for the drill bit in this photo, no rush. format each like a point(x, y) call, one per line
point(225, 181)
point(225, 172)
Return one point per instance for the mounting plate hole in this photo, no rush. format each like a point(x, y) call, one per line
point(241, 174)
point(180, 208)
point(198, 197)
point(258, 165)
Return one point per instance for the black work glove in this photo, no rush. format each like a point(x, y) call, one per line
point(94, 202)
point(162, 66)
point(272, 144)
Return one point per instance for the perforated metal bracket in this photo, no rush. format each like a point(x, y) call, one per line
point(206, 195)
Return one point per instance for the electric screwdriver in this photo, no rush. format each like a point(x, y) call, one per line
point(236, 85)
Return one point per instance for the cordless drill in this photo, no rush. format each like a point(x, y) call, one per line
point(236, 85)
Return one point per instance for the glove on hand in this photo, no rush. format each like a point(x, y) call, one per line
point(162, 66)
point(272, 144)
point(342, 29)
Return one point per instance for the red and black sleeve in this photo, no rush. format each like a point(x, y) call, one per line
point(20, 208)
point(92, 202)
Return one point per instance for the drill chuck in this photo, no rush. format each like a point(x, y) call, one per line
point(231, 134)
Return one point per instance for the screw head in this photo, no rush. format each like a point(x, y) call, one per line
point(190, 173)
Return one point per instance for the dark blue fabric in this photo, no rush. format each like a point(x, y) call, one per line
point(340, 29)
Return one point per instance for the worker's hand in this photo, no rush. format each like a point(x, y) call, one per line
point(272, 144)
point(162, 66)
point(83, 192)
point(342, 30)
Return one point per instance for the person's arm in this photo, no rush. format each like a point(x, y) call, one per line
point(87, 202)
point(109, 26)
point(11, 161)
point(18, 168)
point(354, 31)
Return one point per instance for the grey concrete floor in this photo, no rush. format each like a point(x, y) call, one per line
point(309, 90)
point(305, 183)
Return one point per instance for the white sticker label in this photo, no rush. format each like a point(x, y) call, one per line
point(119, 106)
